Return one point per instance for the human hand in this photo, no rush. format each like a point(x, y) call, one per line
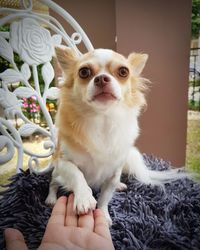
point(67, 230)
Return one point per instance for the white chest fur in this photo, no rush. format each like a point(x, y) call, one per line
point(112, 135)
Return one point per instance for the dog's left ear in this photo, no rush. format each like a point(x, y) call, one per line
point(66, 57)
point(137, 62)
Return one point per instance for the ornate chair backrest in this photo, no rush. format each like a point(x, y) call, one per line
point(31, 37)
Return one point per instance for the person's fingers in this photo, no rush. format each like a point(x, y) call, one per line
point(59, 211)
point(86, 221)
point(101, 226)
point(71, 216)
point(14, 239)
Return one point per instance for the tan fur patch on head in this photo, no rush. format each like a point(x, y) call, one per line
point(71, 120)
point(135, 97)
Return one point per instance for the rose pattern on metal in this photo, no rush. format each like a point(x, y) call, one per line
point(31, 41)
point(33, 37)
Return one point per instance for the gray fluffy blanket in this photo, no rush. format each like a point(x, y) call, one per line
point(144, 217)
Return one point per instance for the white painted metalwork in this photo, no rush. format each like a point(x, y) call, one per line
point(33, 37)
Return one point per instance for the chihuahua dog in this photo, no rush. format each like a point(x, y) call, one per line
point(97, 120)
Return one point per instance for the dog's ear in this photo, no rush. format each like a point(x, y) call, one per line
point(137, 62)
point(66, 57)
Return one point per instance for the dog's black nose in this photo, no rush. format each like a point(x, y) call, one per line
point(102, 80)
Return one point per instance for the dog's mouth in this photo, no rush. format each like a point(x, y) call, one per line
point(104, 97)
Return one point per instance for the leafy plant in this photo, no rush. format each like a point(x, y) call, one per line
point(193, 105)
point(30, 106)
point(196, 83)
point(195, 18)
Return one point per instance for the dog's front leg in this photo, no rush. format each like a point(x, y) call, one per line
point(69, 176)
point(106, 194)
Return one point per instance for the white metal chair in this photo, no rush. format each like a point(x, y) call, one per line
point(33, 37)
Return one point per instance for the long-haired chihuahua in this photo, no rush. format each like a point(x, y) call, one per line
point(97, 120)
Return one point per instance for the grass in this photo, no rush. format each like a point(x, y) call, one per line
point(193, 145)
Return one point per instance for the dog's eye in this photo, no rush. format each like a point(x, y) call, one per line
point(85, 72)
point(123, 71)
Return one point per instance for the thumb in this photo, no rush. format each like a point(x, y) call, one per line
point(14, 239)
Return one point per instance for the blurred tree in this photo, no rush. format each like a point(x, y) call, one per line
point(195, 18)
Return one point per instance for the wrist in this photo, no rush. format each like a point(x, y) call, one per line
point(50, 246)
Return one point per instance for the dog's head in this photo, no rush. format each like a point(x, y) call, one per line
point(102, 78)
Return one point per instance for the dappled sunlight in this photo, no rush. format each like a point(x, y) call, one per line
point(35, 146)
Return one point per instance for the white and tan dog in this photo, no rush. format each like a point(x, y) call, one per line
point(97, 121)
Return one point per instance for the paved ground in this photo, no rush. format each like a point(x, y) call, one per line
point(194, 115)
point(33, 146)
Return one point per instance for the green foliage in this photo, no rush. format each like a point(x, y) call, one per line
point(196, 83)
point(5, 28)
point(4, 64)
point(193, 105)
point(195, 18)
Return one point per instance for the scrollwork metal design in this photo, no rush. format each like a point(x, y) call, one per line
point(31, 39)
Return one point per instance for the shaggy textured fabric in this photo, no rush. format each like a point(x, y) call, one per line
point(144, 217)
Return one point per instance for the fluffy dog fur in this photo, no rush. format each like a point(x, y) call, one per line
point(97, 120)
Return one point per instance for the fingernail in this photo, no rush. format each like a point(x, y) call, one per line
point(63, 198)
point(98, 212)
point(71, 196)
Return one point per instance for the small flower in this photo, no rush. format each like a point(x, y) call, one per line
point(25, 105)
point(33, 97)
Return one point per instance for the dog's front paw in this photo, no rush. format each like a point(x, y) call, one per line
point(84, 201)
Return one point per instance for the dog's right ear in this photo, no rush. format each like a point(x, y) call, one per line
point(66, 57)
point(138, 61)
